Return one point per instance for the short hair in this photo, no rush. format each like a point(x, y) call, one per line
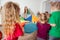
point(46, 11)
point(55, 4)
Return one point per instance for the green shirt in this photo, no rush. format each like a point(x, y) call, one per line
point(28, 12)
point(55, 19)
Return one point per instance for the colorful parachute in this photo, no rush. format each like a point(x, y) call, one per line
point(30, 27)
point(32, 18)
point(22, 19)
point(29, 18)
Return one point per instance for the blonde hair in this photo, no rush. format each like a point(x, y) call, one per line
point(56, 5)
point(11, 14)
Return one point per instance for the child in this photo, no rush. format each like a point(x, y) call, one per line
point(48, 15)
point(12, 28)
point(26, 12)
point(54, 21)
point(43, 28)
point(0, 35)
point(38, 14)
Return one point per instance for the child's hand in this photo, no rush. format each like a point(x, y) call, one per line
point(53, 25)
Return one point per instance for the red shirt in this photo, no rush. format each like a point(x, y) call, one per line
point(18, 31)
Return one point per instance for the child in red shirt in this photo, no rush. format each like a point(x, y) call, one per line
point(11, 19)
point(17, 32)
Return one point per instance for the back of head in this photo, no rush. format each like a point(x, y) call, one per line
point(12, 8)
point(38, 14)
point(46, 12)
point(55, 5)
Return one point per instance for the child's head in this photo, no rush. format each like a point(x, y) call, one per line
point(12, 10)
point(38, 14)
point(47, 14)
point(43, 17)
point(0, 35)
point(0, 8)
point(11, 14)
point(55, 6)
point(25, 9)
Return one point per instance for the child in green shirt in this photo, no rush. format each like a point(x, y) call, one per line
point(54, 21)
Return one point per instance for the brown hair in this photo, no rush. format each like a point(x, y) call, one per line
point(46, 11)
point(47, 15)
point(25, 9)
point(43, 15)
point(38, 13)
point(56, 5)
point(11, 14)
point(0, 8)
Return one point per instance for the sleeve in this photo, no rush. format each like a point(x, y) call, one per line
point(52, 19)
point(37, 24)
point(18, 31)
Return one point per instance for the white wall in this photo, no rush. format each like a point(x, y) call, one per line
point(47, 7)
point(34, 5)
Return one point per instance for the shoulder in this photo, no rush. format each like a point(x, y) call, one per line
point(55, 12)
point(38, 22)
point(17, 24)
point(48, 24)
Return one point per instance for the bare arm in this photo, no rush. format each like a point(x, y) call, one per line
point(53, 25)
